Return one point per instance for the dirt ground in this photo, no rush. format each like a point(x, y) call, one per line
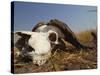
point(63, 60)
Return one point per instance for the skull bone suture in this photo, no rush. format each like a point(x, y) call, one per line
point(37, 45)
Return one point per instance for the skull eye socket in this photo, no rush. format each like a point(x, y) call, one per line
point(52, 37)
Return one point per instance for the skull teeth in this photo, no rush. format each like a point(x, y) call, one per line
point(39, 62)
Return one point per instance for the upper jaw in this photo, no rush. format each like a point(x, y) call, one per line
point(40, 59)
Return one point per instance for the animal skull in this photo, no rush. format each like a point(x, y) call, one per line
point(40, 43)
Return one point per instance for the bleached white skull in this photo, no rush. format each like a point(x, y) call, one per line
point(40, 42)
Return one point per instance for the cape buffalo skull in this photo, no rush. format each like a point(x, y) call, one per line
point(44, 38)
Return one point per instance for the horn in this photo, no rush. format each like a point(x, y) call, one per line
point(69, 35)
point(38, 25)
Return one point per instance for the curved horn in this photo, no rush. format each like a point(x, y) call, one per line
point(69, 35)
point(38, 25)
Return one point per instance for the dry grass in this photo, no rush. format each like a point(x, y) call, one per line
point(84, 36)
point(69, 60)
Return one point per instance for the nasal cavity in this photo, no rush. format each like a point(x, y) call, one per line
point(31, 49)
